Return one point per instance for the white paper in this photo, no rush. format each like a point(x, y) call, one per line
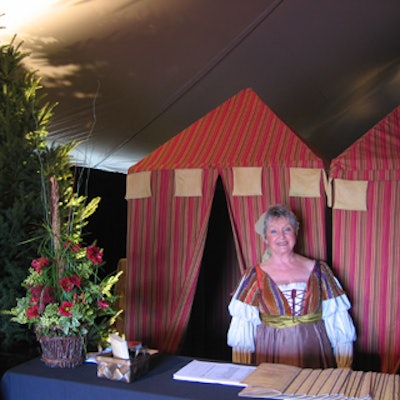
point(119, 347)
point(214, 372)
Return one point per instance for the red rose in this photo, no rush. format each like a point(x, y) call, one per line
point(33, 311)
point(94, 254)
point(40, 263)
point(41, 294)
point(66, 284)
point(65, 308)
point(36, 293)
point(75, 280)
point(102, 304)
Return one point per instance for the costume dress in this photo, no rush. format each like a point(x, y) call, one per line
point(306, 324)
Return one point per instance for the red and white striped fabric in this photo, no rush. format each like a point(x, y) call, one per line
point(366, 244)
point(167, 233)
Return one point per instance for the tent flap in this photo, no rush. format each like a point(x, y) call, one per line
point(305, 182)
point(247, 181)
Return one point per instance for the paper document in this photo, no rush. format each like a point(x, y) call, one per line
point(289, 382)
point(214, 372)
point(273, 377)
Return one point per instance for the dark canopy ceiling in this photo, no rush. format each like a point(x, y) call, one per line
point(130, 74)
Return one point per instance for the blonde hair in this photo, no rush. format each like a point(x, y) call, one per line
point(280, 211)
point(273, 212)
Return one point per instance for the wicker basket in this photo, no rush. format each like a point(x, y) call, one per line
point(62, 351)
point(118, 369)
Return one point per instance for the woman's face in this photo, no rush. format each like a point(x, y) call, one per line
point(280, 235)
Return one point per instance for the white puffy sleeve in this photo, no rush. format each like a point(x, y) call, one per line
point(243, 327)
point(340, 328)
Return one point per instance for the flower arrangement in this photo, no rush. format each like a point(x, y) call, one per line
point(64, 294)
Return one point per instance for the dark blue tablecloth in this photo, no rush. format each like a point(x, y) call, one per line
point(33, 380)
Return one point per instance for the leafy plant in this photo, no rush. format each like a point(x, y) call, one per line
point(62, 292)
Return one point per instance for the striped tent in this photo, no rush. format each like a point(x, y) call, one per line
point(366, 239)
point(260, 161)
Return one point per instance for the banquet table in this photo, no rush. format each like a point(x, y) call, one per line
point(33, 380)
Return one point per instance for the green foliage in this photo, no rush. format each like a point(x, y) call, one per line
point(24, 117)
point(28, 212)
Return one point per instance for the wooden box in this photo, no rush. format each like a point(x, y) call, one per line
point(118, 369)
